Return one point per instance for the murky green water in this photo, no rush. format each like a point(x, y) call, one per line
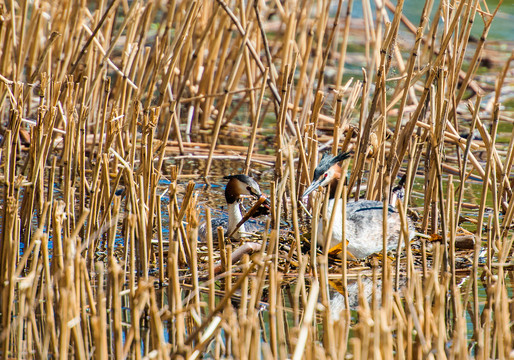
point(501, 29)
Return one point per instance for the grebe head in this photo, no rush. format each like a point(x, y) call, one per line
point(239, 186)
point(327, 171)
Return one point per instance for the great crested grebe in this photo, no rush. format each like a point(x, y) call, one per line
point(238, 187)
point(364, 218)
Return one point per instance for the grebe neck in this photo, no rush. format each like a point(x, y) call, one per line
point(332, 187)
point(234, 216)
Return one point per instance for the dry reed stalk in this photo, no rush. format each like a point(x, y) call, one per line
point(293, 192)
point(306, 322)
point(255, 122)
point(272, 314)
point(116, 311)
point(160, 238)
point(140, 226)
point(176, 302)
point(223, 253)
point(311, 134)
point(300, 294)
point(451, 241)
point(228, 282)
point(99, 321)
point(301, 79)
point(193, 223)
point(243, 310)
point(50, 334)
point(344, 43)
point(316, 209)
point(210, 261)
point(328, 323)
point(284, 345)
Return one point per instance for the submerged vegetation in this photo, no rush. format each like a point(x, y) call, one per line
point(108, 109)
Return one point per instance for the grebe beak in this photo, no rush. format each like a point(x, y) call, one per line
point(263, 207)
point(314, 185)
point(265, 202)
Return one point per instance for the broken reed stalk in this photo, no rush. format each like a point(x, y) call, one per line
point(255, 124)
